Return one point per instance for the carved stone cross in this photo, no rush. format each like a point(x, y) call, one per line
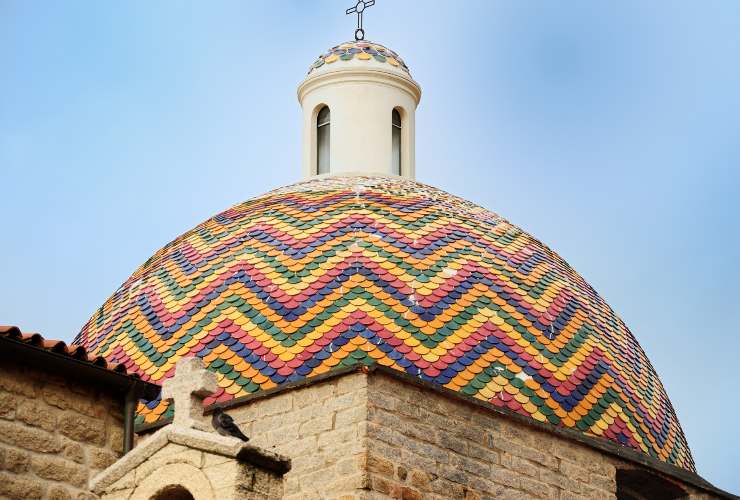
point(190, 384)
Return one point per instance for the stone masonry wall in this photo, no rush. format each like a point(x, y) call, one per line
point(371, 436)
point(205, 475)
point(322, 428)
point(54, 434)
point(424, 445)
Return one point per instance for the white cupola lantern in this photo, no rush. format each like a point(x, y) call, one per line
point(359, 103)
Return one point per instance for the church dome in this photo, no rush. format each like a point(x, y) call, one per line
point(359, 52)
point(346, 270)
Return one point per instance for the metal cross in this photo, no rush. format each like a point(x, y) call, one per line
point(359, 9)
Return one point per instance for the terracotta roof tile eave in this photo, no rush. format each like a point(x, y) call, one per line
point(96, 369)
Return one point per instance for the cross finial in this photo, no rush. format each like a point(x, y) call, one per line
point(190, 384)
point(358, 9)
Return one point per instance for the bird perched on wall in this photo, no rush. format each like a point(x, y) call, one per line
point(225, 425)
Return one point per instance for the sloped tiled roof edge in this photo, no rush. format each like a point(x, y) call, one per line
point(94, 367)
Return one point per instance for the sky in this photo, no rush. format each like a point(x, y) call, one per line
point(608, 130)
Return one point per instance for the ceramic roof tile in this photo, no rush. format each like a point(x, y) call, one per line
point(359, 50)
point(74, 351)
point(341, 271)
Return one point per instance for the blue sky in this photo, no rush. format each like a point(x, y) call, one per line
point(609, 130)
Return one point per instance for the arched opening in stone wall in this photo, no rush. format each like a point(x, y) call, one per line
point(173, 492)
point(636, 484)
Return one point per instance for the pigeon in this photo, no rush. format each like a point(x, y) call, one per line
point(225, 425)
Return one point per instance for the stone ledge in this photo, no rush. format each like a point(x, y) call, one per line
point(191, 438)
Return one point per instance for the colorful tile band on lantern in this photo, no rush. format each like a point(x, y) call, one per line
point(342, 271)
point(362, 50)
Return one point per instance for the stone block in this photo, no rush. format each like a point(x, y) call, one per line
point(300, 447)
point(345, 484)
point(14, 487)
point(316, 425)
point(381, 400)
point(415, 461)
point(471, 466)
point(410, 494)
point(227, 473)
point(283, 435)
point(100, 458)
point(573, 471)
point(539, 489)
point(8, 403)
point(86, 495)
point(339, 402)
point(567, 495)
point(593, 492)
point(523, 435)
point(509, 494)
point(17, 382)
point(603, 482)
point(519, 465)
point(448, 490)
point(472, 495)
point(351, 416)
point(55, 396)
point(313, 394)
point(15, 460)
point(127, 482)
point(36, 414)
point(575, 453)
point(602, 467)
point(73, 450)
point(453, 474)
point(58, 469)
point(81, 428)
point(167, 456)
point(504, 477)
point(484, 454)
point(453, 443)
point(29, 438)
point(541, 457)
point(115, 439)
point(58, 492)
point(556, 478)
point(402, 473)
point(351, 383)
point(379, 465)
point(333, 438)
point(118, 495)
point(426, 450)
point(420, 479)
point(380, 484)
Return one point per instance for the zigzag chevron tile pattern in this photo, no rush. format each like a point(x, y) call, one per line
point(338, 271)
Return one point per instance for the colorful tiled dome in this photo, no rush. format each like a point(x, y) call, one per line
point(338, 271)
point(359, 50)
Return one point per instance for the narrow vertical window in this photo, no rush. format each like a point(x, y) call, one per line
point(396, 142)
point(322, 140)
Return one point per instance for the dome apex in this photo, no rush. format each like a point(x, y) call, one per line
point(362, 51)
